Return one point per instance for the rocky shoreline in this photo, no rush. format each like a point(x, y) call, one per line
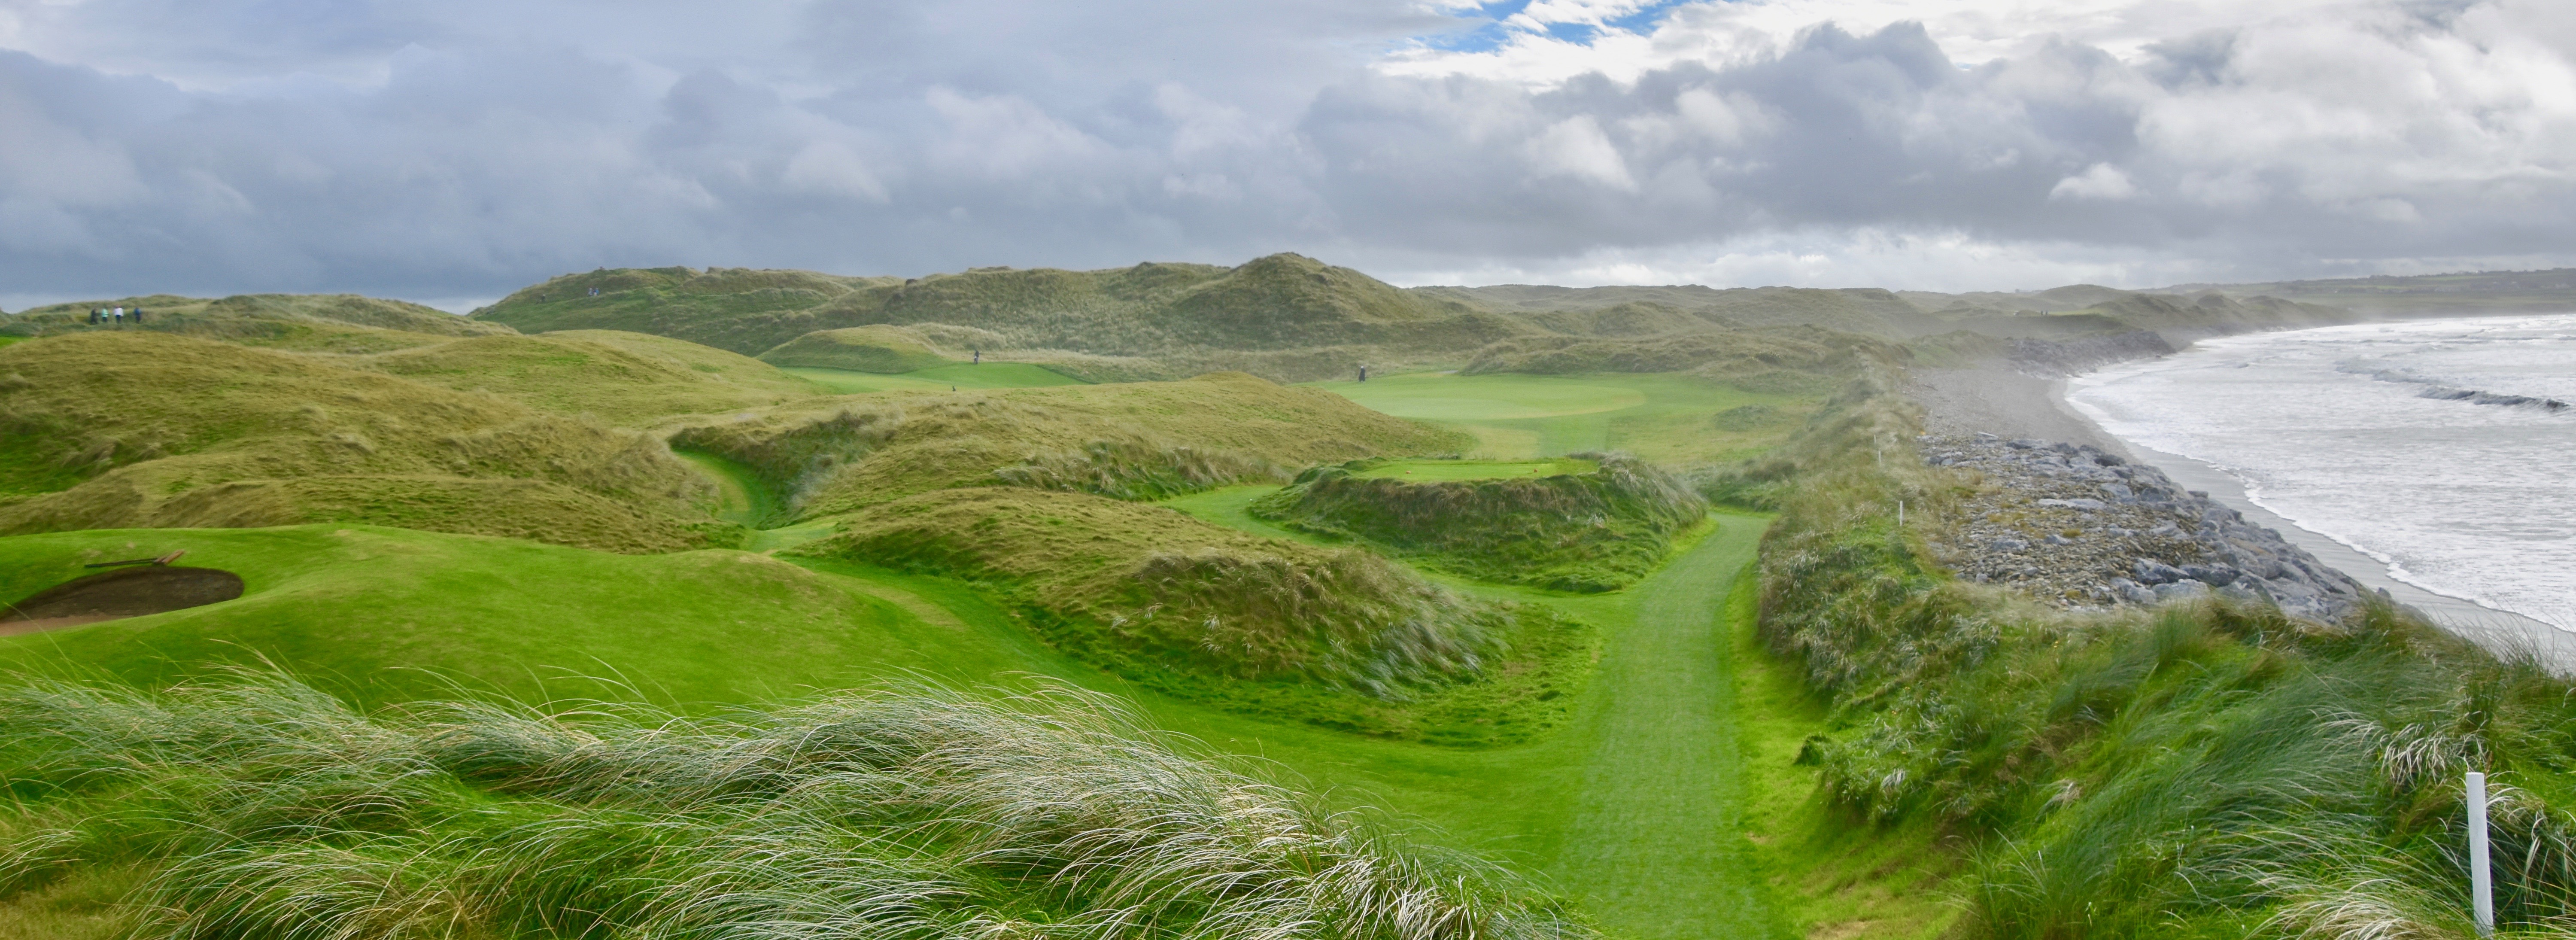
point(2081, 527)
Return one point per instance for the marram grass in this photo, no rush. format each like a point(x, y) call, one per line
point(262, 808)
point(2205, 770)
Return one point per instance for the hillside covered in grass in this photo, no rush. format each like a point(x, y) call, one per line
point(323, 322)
point(630, 379)
point(384, 615)
point(1331, 636)
point(1293, 319)
point(1129, 441)
point(1597, 528)
point(1798, 360)
point(2210, 768)
point(132, 429)
point(881, 349)
point(1284, 316)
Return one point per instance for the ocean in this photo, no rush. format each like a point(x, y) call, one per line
point(2444, 451)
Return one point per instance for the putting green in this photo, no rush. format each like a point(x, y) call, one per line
point(939, 378)
point(1668, 418)
point(1430, 471)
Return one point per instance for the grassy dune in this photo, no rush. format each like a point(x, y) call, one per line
point(136, 429)
point(936, 379)
point(1798, 360)
point(1595, 529)
point(1335, 637)
point(880, 349)
point(628, 379)
point(334, 323)
point(1138, 440)
point(1668, 419)
point(1429, 471)
point(1283, 316)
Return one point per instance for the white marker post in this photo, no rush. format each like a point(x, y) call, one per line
point(2481, 889)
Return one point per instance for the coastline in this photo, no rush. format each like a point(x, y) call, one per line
point(2007, 402)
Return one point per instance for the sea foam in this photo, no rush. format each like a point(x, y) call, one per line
point(2444, 449)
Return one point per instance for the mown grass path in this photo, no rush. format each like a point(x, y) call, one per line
point(1656, 836)
point(1635, 806)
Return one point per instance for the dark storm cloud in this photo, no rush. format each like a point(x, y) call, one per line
point(467, 148)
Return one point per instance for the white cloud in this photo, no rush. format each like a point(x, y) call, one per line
point(464, 148)
point(831, 168)
point(1576, 147)
point(2100, 181)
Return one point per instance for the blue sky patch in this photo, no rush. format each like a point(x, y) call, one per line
point(1482, 27)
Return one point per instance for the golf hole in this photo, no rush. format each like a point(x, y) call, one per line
point(125, 592)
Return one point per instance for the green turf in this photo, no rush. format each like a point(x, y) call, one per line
point(1635, 806)
point(1668, 418)
point(1835, 879)
point(939, 379)
point(740, 499)
point(6, 340)
point(1426, 471)
point(383, 614)
point(1631, 805)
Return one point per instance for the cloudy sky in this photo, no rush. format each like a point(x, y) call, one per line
point(454, 150)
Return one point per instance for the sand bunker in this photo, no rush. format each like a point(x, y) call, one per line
point(124, 592)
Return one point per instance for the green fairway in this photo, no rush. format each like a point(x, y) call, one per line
point(1668, 418)
point(938, 379)
point(1635, 807)
point(1427, 471)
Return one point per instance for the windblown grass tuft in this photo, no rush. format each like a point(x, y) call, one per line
point(262, 808)
point(2208, 769)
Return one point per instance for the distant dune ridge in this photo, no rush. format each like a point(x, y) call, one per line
point(1132, 441)
point(1291, 318)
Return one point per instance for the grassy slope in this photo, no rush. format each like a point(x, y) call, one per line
point(1859, 310)
point(333, 323)
point(1527, 802)
point(1427, 471)
point(1281, 316)
point(1829, 877)
point(1332, 636)
point(382, 614)
point(1577, 531)
point(128, 429)
point(936, 379)
point(881, 349)
point(625, 378)
point(1121, 440)
point(1664, 418)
